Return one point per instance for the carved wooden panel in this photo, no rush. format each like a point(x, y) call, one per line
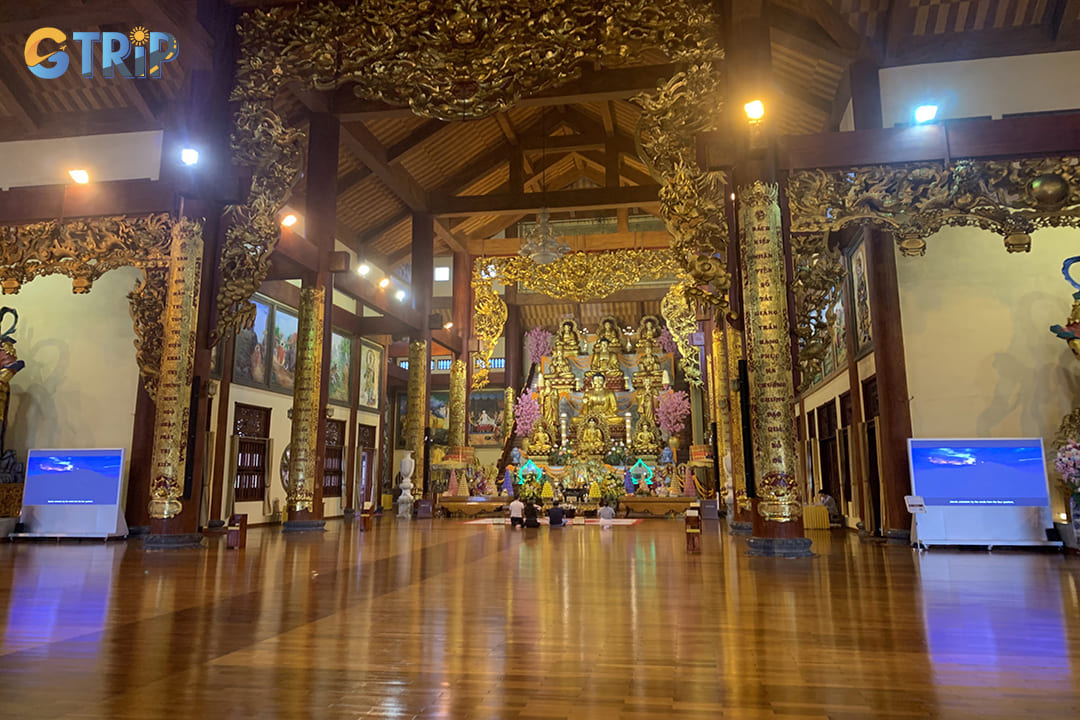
point(335, 433)
point(251, 421)
point(365, 436)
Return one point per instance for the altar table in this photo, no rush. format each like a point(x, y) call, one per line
point(655, 505)
point(472, 506)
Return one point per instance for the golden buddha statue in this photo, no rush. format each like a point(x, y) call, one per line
point(540, 440)
point(591, 438)
point(646, 402)
point(600, 401)
point(647, 438)
point(549, 404)
point(648, 370)
point(568, 341)
point(648, 335)
point(604, 361)
point(609, 330)
point(559, 373)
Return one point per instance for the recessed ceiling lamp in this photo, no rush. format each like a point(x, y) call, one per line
point(363, 269)
point(925, 113)
point(384, 283)
point(289, 220)
point(80, 176)
point(447, 326)
point(400, 295)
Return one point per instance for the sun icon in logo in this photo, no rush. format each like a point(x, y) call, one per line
point(139, 36)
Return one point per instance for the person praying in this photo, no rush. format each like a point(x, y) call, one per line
point(556, 515)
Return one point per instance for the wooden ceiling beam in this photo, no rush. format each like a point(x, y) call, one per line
point(564, 200)
point(804, 96)
point(593, 86)
point(118, 197)
point(363, 144)
point(828, 20)
point(652, 239)
point(415, 139)
point(13, 96)
point(352, 178)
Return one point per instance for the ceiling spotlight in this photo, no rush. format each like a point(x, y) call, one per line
point(384, 283)
point(755, 110)
point(189, 156)
point(289, 220)
point(925, 113)
point(80, 176)
point(363, 269)
point(447, 326)
point(400, 295)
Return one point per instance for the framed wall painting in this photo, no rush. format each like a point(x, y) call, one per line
point(340, 368)
point(252, 348)
point(283, 362)
point(860, 292)
point(485, 418)
point(371, 369)
point(400, 405)
point(439, 416)
point(828, 363)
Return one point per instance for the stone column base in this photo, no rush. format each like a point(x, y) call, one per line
point(349, 513)
point(798, 547)
point(297, 526)
point(182, 541)
point(741, 528)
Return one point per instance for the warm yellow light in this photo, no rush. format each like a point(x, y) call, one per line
point(80, 176)
point(447, 326)
point(754, 110)
point(289, 220)
point(384, 283)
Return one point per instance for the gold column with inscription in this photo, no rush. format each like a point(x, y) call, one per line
point(778, 515)
point(733, 340)
point(416, 408)
point(721, 400)
point(177, 366)
point(303, 473)
point(457, 403)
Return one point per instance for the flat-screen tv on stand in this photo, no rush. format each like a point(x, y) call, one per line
point(980, 491)
point(74, 493)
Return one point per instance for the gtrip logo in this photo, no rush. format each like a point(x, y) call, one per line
point(47, 53)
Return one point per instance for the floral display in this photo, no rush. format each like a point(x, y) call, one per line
point(1067, 463)
point(672, 410)
point(526, 413)
point(538, 343)
point(666, 342)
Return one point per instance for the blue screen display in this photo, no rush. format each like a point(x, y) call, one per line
point(979, 472)
point(73, 477)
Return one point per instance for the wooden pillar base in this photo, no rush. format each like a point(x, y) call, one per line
point(776, 539)
point(170, 535)
point(303, 521)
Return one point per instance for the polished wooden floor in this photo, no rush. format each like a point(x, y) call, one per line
point(443, 619)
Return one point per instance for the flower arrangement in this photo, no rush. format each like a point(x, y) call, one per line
point(1067, 463)
point(560, 456)
point(618, 455)
point(611, 486)
point(666, 342)
point(538, 343)
point(672, 409)
point(526, 413)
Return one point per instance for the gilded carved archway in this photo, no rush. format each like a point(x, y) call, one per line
point(469, 59)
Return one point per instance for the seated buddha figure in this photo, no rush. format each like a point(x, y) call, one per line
point(591, 438)
point(600, 401)
point(647, 438)
point(609, 330)
point(540, 439)
point(648, 335)
point(559, 374)
point(648, 371)
point(604, 361)
point(567, 340)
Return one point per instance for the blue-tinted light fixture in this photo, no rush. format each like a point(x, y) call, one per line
point(189, 156)
point(925, 113)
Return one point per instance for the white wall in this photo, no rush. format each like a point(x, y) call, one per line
point(78, 389)
point(977, 88)
point(981, 361)
point(280, 431)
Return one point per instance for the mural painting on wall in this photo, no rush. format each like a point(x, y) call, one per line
point(485, 417)
point(340, 365)
point(249, 359)
point(860, 291)
point(283, 365)
point(839, 332)
point(438, 418)
point(371, 363)
point(828, 363)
